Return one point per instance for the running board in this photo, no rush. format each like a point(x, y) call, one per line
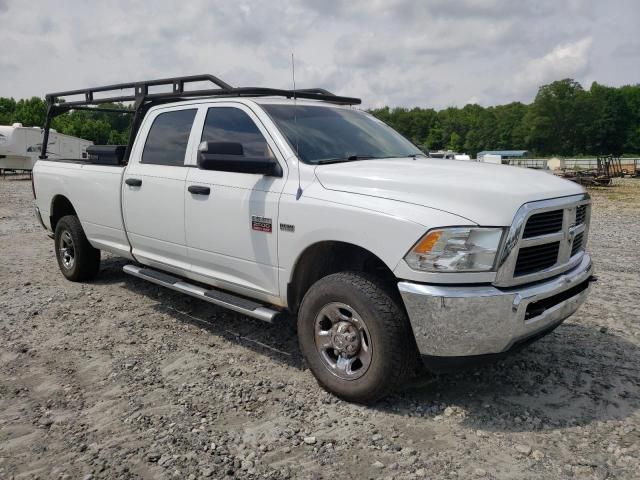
point(217, 297)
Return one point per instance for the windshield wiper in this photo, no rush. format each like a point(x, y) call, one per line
point(350, 158)
point(353, 158)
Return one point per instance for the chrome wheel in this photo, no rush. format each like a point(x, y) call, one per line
point(343, 341)
point(67, 250)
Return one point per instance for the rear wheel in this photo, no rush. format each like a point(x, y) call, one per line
point(77, 259)
point(355, 337)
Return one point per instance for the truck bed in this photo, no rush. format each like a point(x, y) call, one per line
point(94, 192)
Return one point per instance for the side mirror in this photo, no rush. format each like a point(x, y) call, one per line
point(229, 157)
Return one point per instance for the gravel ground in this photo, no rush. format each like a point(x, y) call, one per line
point(123, 379)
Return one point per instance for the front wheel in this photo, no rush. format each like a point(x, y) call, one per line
point(77, 259)
point(355, 337)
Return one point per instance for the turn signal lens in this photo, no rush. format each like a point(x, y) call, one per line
point(428, 242)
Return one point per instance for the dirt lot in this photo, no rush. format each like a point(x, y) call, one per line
point(122, 379)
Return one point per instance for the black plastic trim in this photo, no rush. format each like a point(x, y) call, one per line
point(455, 364)
point(133, 182)
point(199, 190)
point(535, 309)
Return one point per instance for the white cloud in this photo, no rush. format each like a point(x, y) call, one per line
point(398, 52)
point(564, 61)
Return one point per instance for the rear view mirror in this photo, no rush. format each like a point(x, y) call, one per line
point(221, 148)
point(229, 157)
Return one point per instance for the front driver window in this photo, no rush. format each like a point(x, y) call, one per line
point(228, 124)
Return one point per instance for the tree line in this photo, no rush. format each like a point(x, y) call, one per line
point(564, 119)
point(102, 128)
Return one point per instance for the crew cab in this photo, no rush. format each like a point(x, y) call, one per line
point(285, 204)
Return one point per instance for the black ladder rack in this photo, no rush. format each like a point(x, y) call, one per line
point(144, 98)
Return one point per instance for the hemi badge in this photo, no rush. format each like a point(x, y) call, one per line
point(287, 227)
point(261, 224)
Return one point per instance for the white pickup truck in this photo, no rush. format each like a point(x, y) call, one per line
point(275, 202)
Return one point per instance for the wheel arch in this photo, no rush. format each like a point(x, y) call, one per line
point(327, 257)
point(60, 206)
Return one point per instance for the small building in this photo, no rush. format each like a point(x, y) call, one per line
point(449, 155)
point(504, 154)
point(555, 163)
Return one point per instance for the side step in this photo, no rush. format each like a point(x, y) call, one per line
point(217, 297)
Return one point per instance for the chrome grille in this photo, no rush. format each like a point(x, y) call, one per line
point(543, 223)
point(581, 214)
point(547, 238)
point(536, 258)
point(577, 244)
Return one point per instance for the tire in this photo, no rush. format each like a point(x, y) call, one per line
point(77, 259)
point(386, 345)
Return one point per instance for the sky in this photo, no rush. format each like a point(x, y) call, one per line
point(429, 53)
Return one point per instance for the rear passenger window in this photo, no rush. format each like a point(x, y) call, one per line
point(228, 124)
point(167, 140)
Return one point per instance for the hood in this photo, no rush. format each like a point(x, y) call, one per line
point(484, 193)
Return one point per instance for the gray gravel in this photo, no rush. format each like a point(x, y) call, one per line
point(122, 379)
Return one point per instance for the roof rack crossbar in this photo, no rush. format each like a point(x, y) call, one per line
point(177, 84)
point(311, 94)
point(143, 98)
point(102, 109)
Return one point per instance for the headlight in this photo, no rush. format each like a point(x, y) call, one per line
point(456, 249)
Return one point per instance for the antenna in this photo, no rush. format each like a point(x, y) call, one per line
point(295, 122)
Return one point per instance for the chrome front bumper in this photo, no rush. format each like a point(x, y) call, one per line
point(460, 321)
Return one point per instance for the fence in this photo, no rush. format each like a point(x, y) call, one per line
point(631, 165)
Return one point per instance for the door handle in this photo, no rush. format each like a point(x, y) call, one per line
point(133, 182)
point(199, 190)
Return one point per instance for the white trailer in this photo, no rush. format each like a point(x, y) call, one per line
point(491, 158)
point(20, 146)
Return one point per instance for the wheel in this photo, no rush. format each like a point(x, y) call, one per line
point(77, 259)
point(355, 337)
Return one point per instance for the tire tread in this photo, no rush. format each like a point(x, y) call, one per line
point(394, 323)
point(87, 257)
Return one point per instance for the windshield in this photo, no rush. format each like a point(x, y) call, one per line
point(326, 134)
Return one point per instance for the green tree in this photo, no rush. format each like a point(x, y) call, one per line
point(435, 139)
point(99, 127)
point(559, 115)
point(7, 109)
point(564, 119)
point(31, 112)
point(610, 120)
point(631, 94)
point(455, 142)
point(510, 132)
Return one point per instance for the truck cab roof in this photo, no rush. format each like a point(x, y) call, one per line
point(253, 101)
